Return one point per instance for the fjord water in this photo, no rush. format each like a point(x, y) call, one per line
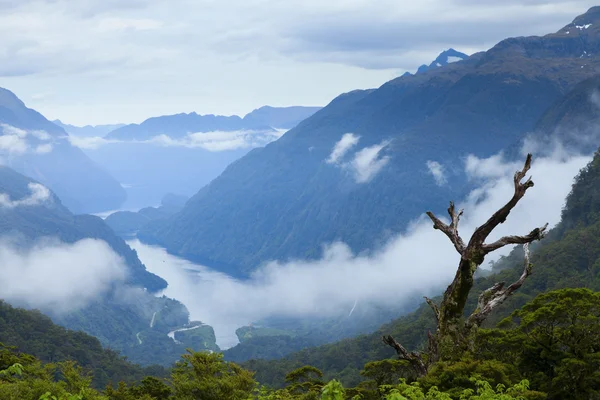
point(196, 286)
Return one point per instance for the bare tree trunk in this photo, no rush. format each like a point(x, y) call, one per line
point(453, 329)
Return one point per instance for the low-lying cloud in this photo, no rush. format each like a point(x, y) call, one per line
point(418, 261)
point(368, 162)
point(365, 163)
point(15, 141)
point(39, 195)
point(214, 141)
point(340, 149)
point(55, 276)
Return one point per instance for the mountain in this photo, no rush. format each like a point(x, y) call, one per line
point(446, 57)
point(34, 146)
point(128, 317)
point(280, 117)
point(51, 218)
point(180, 125)
point(568, 257)
point(127, 223)
point(87, 130)
point(405, 155)
point(33, 333)
point(181, 153)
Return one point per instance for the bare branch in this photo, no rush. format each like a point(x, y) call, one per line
point(536, 234)
point(435, 309)
point(450, 230)
point(415, 359)
point(499, 216)
point(496, 295)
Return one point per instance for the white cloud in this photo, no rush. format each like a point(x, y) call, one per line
point(13, 141)
point(367, 162)
point(43, 148)
point(491, 167)
point(55, 276)
point(340, 149)
point(420, 261)
point(437, 170)
point(215, 141)
point(13, 144)
point(39, 195)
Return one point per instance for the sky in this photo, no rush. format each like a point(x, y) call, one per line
point(122, 61)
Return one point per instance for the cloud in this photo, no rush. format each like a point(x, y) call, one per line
point(340, 149)
point(365, 163)
point(437, 170)
point(368, 162)
point(13, 144)
point(128, 60)
point(215, 141)
point(491, 167)
point(14, 141)
point(43, 148)
point(55, 276)
point(420, 261)
point(39, 195)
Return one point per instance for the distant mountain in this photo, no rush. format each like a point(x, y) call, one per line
point(179, 125)
point(34, 146)
point(280, 117)
point(318, 183)
point(446, 57)
point(181, 153)
point(129, 318)
point(88, 130)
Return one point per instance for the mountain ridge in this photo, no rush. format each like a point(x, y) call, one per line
point(286, 191)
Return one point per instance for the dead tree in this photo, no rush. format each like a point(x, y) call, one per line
point(453, 329)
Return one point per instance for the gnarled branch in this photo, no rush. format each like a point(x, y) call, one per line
point(496, 295)
point(450, 230)
point(536, 234)
point(482, 232)
point(414, 358)
point(435, 308)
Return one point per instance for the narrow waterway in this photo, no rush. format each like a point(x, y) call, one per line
point(202, 290)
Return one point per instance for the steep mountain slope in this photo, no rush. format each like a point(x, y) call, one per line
point(33, 333)
point(280, 117)
point(287, 199)
point(127, 317)
point(88, 130)
point(568, 257)
point(34, 146)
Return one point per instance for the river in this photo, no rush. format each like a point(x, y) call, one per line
point(206, 293)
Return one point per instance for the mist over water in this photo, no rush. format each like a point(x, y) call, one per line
point(187, 283)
